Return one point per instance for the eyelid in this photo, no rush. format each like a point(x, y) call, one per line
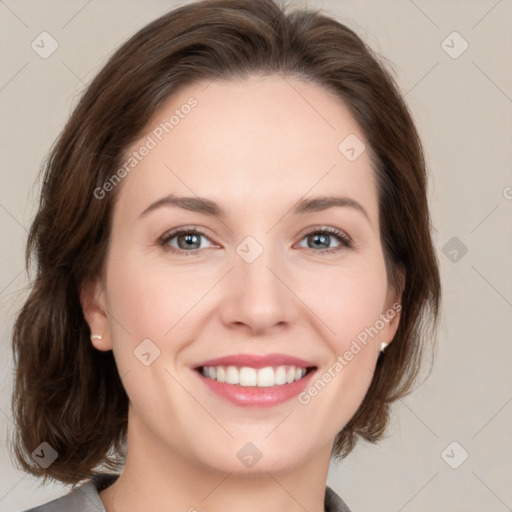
point(328, 229)
point(345, 240)
point(171, 233)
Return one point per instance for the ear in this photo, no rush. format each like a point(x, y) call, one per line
point(92, 300)
point(393, 307)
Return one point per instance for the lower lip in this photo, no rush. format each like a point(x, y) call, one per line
point(253, 396)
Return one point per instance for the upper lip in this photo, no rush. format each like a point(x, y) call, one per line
point(256, 361)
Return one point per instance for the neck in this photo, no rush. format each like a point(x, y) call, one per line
point(158, 478)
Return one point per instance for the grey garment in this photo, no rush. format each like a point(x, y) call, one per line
point(333, 503)
point(86, 498)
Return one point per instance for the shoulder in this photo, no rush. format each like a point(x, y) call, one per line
point(84, 498)
point(333, 503)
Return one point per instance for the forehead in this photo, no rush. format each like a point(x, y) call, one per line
point(253, 144)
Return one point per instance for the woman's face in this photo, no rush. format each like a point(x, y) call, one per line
point(269, 277)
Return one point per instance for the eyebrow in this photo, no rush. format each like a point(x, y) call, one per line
point(209, 207)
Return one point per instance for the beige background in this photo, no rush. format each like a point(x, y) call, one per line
point(463, 109)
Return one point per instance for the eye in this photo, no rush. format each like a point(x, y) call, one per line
point(323, 236)
point(188, 240)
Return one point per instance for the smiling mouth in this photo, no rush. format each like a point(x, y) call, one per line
point(246, 376)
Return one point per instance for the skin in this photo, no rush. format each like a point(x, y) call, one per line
point(256, 147)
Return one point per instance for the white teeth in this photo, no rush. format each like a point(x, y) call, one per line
point(221, 374)
point(232, 375)
point(299, 374)
point(280, 376)
point(266, 376)
point(247, 376)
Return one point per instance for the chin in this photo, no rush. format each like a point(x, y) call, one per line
point(253, 457)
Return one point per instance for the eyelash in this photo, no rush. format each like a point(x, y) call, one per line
point(164, 240)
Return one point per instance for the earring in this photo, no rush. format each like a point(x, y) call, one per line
point(383, 346)
point(96, 337)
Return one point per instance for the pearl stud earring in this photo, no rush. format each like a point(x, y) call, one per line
point(383, 346)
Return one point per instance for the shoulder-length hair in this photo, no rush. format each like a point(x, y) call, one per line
point(70, 395)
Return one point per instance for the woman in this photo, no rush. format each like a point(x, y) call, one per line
point(235, 271)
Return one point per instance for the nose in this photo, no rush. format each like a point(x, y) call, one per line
point(258, 296)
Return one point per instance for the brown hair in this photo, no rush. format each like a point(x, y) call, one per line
point(69, 394)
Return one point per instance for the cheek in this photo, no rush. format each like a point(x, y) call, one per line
point(348, 311)
point(347, 300)
point(149, 299)
point(146, 304)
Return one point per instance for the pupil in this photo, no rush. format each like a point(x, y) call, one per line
point(188, 241)
point(323, 239)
